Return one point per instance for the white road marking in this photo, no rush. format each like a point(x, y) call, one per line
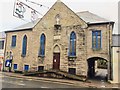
point(21, 84)
point(29, 79)
point(44, 87)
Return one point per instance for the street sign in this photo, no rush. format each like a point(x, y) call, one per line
point(8, 63)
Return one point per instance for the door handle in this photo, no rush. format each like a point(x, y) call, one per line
point(54, 60)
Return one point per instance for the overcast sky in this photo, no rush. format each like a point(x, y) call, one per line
point(105, 8)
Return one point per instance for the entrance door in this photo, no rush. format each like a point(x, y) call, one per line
point(91, 68)
point(56, 61)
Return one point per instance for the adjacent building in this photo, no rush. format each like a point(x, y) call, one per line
point(2, 47)
point(60, 40)
point(115, 58)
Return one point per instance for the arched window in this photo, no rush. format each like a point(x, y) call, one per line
point(24, 46)
point(72, 47)
point(42, 45)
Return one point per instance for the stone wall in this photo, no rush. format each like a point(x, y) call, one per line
point(104, 51)
point(69, 22)
point(116, 66)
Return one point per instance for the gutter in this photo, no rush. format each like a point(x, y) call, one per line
point(26, 29)
point(99, 23)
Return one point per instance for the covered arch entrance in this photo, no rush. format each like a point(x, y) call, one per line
point(97, 68)
point(56, 58)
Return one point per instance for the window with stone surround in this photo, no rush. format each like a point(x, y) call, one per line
point(72, 46)
point(2, 44)
point(13, 44)
point(72, 71)
point(26, 67)
point(15, 66)
point(40, 68)
point(42, 46)
point(24, 46)
point(96, 39)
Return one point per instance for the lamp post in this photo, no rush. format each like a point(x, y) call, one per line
point(10, 58)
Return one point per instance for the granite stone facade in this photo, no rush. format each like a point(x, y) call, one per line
point(58, 40)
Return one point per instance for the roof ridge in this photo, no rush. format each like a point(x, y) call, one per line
point(90, 17)
point(82, 11)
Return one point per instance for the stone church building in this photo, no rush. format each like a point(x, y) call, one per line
point(61, 40)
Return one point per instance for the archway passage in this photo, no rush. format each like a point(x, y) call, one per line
point(56, 58)
point(97, 68)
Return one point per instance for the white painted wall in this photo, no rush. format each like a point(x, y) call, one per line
point(116, 64)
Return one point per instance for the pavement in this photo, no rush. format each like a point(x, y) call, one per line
point(88, 84)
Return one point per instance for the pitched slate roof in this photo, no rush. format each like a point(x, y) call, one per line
point(86, 16)
point(91, 18)
point(116, 40)
point(2, 35)
point(28, 25)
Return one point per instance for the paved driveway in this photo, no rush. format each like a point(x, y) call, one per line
point(101, 73)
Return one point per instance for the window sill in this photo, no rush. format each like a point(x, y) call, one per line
point(23, 55)
point(72, 58)
point(13, 46)
point(42, 56)
point(15, 69)
point(96, 49)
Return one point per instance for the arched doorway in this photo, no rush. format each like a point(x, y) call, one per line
point(97, 68)
point(56, 58)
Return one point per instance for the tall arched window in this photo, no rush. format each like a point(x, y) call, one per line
point(24, 46)
point(42, 45)
point(72, 47)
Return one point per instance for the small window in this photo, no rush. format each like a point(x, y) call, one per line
point(72, 71)
point(13, 44)
point(40, 68)
point(26, 67)
point(15, 66)
point(2, 44)
point(57, 27)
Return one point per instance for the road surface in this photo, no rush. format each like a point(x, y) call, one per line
point(14, 82)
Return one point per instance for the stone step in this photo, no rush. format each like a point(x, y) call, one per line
point(70, 76)
point(56, 73)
